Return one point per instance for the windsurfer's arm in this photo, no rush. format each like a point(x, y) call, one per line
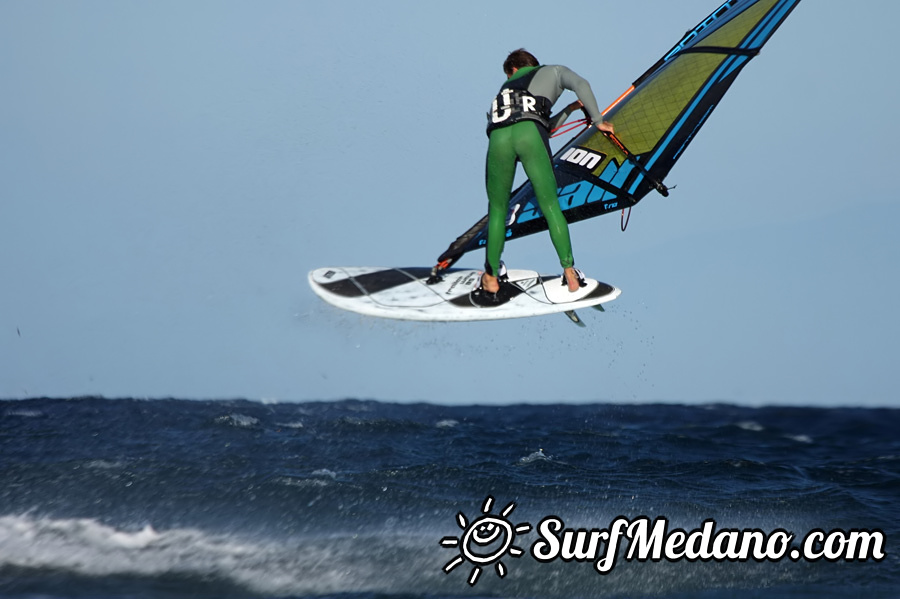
point(560, 118)
point(570, 80)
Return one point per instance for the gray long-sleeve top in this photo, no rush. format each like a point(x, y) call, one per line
point(550, 82)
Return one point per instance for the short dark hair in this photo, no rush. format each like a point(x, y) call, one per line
point(518, 59)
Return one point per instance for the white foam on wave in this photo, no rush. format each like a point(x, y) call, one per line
point(23, 413)
point(800, 438)
point(749, 425)
point(318, 565)
point(384, 561)
point(238, 420)
point(87, 546)
point(534, 457)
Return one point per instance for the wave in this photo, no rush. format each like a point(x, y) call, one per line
point(221, 499)
point(389, 563)
point(82, 548)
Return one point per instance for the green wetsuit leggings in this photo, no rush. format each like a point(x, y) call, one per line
point(522, 141)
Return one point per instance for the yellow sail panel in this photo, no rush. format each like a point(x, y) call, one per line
point(734, 32)
point(650, 111)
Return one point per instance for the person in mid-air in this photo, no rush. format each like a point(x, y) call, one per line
point(519, 125)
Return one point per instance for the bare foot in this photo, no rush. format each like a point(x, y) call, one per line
point(572, 279)
point(490, 283)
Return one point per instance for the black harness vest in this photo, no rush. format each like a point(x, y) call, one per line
point(514, 103)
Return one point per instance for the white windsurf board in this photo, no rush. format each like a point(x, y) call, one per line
point(404, 294)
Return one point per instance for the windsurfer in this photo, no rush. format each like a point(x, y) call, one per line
point(518, 130)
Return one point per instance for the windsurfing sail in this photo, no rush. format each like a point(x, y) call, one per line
point(655, 120)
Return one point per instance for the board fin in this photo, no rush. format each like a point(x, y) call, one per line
point(574, 318)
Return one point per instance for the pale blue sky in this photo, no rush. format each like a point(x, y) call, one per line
point(170, 171)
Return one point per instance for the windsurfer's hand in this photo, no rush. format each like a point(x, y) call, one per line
point(606, 127)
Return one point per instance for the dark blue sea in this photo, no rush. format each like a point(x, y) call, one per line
point(352, 499)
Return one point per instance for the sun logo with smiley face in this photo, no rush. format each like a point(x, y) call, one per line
point(485, 540)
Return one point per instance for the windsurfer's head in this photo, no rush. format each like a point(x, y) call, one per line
point(518, 59)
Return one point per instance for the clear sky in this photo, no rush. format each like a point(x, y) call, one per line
point(170, 171)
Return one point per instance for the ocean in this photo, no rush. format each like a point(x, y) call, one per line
point(169, 498)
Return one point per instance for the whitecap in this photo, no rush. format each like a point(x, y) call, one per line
point(238, 420)
point(317, 478)
point(537, 455)
point(302, 482)
point(23, 413)
point(310, 565)
point(447, 423)
point(800, 438)
point(749, 425)
point(135, 540)
point(89, 547)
